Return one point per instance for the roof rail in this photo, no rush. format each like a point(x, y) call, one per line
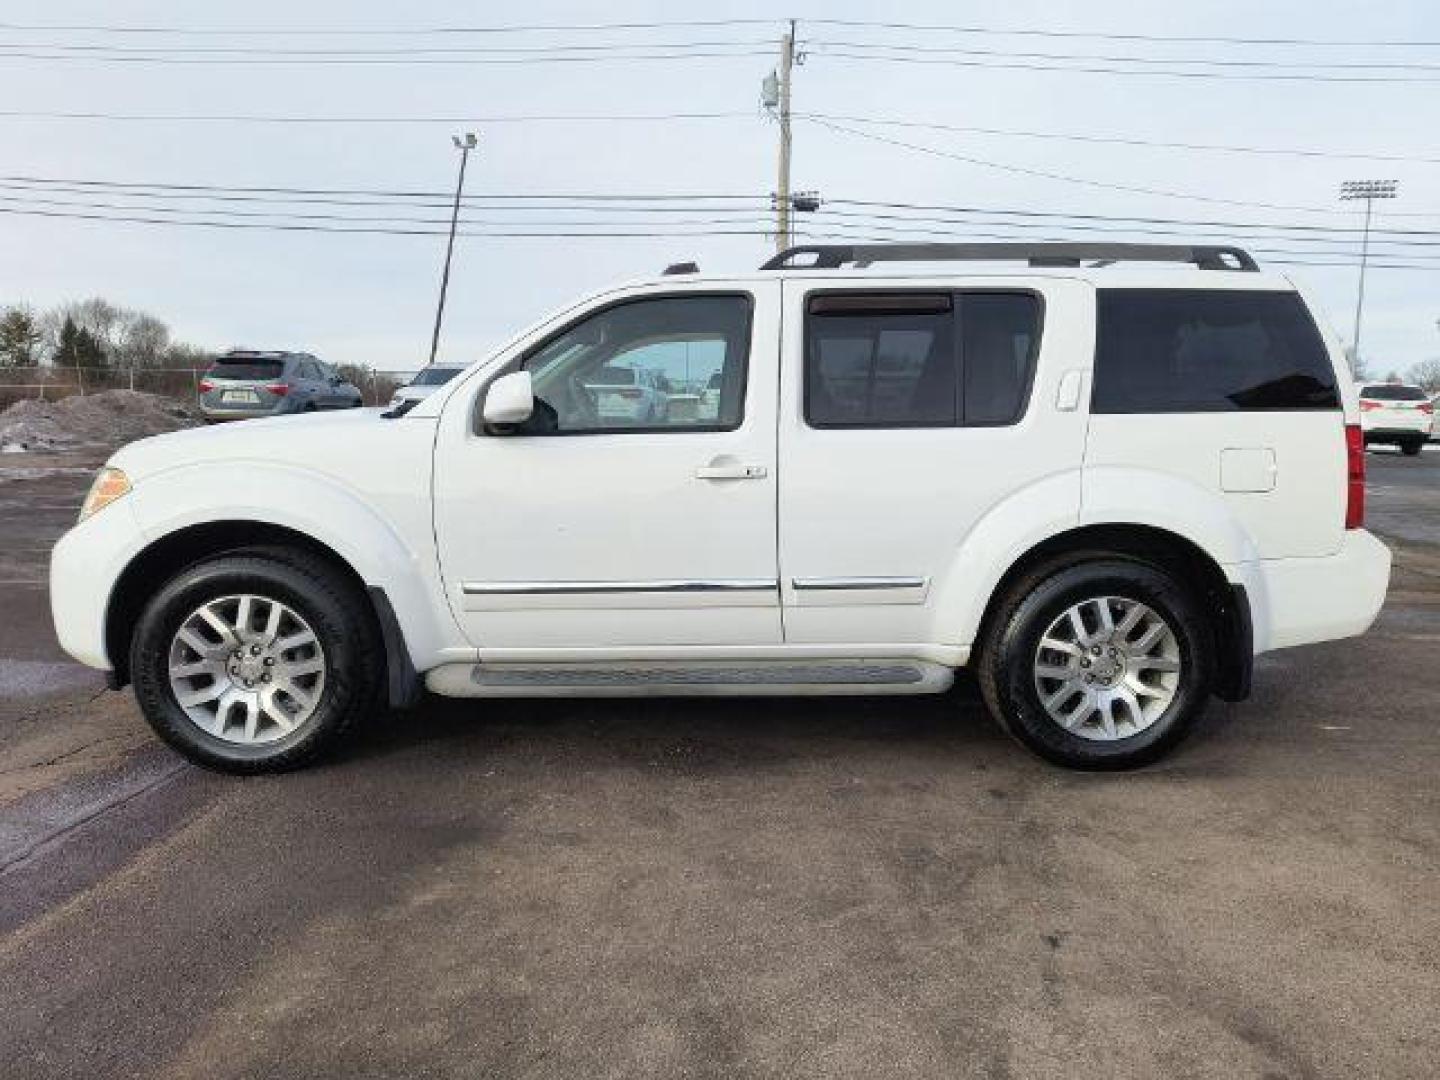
point(833, 256)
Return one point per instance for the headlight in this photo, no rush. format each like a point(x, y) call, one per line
point(109, 485)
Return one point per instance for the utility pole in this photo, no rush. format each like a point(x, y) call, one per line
point(775, 96)
point(1369, 190)
point(464, 145)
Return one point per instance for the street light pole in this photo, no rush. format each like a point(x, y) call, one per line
point(464, 145)
point(1369, 190)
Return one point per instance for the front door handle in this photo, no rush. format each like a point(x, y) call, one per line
point(731, 472)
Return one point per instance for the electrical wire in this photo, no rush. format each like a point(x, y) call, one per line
point(1044, 174)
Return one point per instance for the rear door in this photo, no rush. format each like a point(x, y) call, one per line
point(1233, 390)
point(908, 414)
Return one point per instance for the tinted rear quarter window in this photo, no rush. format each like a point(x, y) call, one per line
point(1197, 350)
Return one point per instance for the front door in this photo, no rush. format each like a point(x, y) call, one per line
point(635, 509)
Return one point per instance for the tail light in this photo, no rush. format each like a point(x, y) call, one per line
point(1369, 406)
point(632, 395)
point(1355, 477)
point(1427, 408)
point(206, 386)
point(279, 389)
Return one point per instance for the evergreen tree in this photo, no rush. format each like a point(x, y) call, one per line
point(19, 338)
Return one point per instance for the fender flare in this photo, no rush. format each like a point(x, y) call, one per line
point(329, 513)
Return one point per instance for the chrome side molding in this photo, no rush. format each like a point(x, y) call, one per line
point(830, 584)
point(571, 588)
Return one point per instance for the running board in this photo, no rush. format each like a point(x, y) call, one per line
point(680, 678)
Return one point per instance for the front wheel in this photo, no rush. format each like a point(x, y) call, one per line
point(255, 661)
point(1412, 448)
point(1103, 664)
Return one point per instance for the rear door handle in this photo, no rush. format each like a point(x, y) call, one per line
point(731, 472)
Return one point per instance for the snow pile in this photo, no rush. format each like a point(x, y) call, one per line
point(107, 419)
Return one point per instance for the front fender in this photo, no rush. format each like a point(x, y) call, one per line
point(387, 539)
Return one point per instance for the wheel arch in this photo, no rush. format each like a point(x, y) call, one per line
point(1226, 603)
point(171, 553)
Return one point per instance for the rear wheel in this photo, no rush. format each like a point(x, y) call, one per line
point(1100, 664)
point(256, 661)
point(1412, 447)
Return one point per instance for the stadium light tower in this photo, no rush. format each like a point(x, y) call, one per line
point(1369, 190)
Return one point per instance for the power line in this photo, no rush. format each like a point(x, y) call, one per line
point(1238, 225)
point(252, 118)
point(223, 51)
point(398, 31)
point(1044, 174)
point(1212, 232)
point(1193, 39)
point(379, 230)
point(391, 192)
point(1100, 69)
point(754, 218)
point(649, 202)
point(606, 55)
point(1119, 140)
point(1110, 58)
point(874, 220)
point(585, 118)
point(973, 29)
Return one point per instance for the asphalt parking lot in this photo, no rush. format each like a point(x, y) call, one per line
point(849, 888)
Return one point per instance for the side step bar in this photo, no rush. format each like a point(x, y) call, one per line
point(691, 678)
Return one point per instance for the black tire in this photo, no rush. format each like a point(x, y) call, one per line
point(337, 612)
point(1006, 664)
point(1412, 447)
point(309, 407)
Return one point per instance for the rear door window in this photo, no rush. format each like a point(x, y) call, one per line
point(1198, 350)
point(875, 360)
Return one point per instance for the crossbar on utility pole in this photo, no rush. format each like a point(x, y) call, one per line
point(464, 145)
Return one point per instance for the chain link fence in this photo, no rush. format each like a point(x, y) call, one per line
point(47, 383)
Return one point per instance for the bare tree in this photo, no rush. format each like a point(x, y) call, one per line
point(142, 341)
point(1427, 374)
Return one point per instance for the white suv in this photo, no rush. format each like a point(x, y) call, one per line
point(1398, 414)
point(1103, 483)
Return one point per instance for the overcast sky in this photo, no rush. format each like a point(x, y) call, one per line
point(369, 298)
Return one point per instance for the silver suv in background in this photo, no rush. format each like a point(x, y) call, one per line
point(246, 383)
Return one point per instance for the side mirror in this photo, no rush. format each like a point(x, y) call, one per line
point(510, 399)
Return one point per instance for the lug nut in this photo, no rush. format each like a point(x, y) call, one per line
point(249, 683)
point(254, 650)
point(269, 661)
point(1085, 663)
point(265, 677)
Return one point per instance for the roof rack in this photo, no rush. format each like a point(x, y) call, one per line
point(833, 256)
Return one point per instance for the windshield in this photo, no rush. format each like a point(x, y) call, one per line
point(1392, 392)
point(435, 376)
point(247, 369)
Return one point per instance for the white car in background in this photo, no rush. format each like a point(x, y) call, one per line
point(423, 385)
point(1396, 413)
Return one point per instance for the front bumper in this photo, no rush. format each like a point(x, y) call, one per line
point(1302, 601)
point(84, 567)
